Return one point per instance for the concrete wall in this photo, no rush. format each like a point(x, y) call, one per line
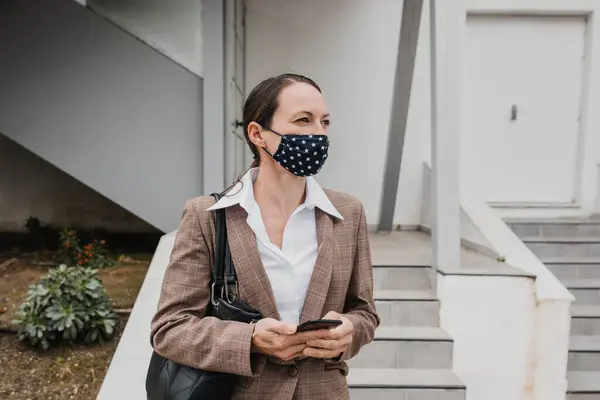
point(418, 130)
point(32, 187)
point(172, 27)
point(492, 322)
point(349, 47)
point(99, 104)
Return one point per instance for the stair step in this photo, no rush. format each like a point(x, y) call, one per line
point(584, 353)
point(406, 347)
point(554, 221)
point(388, 277)
point(586, 291)
point(571, 261)
point(411, 333)
point(565, 239)
point(413, 384)
point(585, 320)
point(556, 228)
point(564, 246)
point(582, 283)
point(407, 308)
point(408, 295)
point(583, 382)
point(585, 311)
point(584, 343)
point(573, 268)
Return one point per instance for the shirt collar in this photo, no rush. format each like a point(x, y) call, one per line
point(242, 193)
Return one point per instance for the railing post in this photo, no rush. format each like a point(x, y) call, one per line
point(447, 21)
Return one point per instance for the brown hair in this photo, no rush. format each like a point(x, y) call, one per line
point(260, 106)
point(262, 103)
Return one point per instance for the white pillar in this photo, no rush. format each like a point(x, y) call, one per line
point(447, 22)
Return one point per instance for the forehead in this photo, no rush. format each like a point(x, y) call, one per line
point(301, 97)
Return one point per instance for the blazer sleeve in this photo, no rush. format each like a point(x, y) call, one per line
point(180, 330)
point(359, 306)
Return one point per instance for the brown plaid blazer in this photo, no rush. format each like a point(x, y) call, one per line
point(342, 281)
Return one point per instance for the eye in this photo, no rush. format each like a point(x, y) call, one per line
point(326, 122)
point(304, 120)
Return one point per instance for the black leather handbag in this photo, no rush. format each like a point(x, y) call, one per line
point(168, 380)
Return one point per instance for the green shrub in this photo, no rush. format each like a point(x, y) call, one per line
point(93, 254)
point(69, 304)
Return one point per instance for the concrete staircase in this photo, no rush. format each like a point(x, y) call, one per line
point(571, 250)
point(411, 357)
point(108, 110)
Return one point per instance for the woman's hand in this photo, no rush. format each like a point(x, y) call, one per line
point(337, 341)
point(275, 338)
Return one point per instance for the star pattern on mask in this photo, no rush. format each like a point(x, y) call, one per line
point(302, 155)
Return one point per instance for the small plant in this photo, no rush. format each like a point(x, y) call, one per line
point(93, 254)
point(69, 304)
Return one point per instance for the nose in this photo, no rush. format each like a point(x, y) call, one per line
point(321, 129)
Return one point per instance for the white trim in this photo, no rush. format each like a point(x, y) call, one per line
point(516, 204)
point(213, 112)
point(583, 108)
point(597, 204)
point(447, 24)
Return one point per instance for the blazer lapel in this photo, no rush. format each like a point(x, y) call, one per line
point(318, 286)
point(254, 285)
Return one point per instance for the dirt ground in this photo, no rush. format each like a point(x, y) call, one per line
point(69, 372)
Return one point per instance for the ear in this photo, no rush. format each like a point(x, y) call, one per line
point(255, 134)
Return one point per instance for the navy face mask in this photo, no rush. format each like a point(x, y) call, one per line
point(302, 155)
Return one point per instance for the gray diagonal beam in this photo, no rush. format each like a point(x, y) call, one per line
point(405, 65)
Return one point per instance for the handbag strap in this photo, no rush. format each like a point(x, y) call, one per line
point(223, 270)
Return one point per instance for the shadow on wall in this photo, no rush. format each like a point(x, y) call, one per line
point(32, 187)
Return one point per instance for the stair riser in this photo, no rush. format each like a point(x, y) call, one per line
point(406, 394)
point(546, 250)
point(556, 230)
point(584, 361)
point(574, 271)
point(404, 354)
point(401, 278)
point(580, 396)
point(586, 296)
point(408, 313)
point(585, 326)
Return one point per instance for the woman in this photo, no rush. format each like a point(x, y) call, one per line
point(300, 253)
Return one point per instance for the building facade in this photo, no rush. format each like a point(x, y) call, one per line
point(451, 117)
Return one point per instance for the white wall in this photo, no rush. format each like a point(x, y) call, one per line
point(492, 322)
point(172, 27)
point(418, 130)
point(349, 48)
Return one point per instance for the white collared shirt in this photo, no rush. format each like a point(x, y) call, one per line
point(290, 268)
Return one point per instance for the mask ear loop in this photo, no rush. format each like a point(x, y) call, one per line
point(265, 148)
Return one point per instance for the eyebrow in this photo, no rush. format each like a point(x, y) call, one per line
point(311, 114)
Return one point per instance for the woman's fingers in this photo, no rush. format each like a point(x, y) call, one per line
point(324, 353)
point(291, 352)
point(324, 344)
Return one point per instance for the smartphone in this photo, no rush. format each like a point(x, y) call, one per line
point(318, 324)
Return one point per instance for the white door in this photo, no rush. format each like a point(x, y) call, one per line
point(523, 86)
point(238, 156)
